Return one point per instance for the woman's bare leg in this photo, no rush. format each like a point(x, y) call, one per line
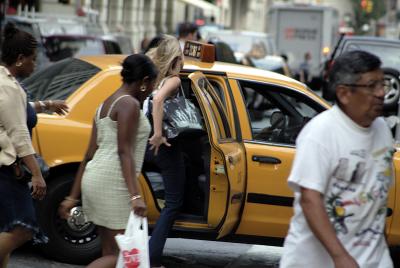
point(109, 248)
point(12, 240)
point(5, 261)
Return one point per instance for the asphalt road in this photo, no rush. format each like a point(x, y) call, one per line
point(180, 253)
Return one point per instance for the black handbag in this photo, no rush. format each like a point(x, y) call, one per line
point(23, 173)
point(181, 116)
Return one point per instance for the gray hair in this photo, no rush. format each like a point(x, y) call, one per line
point(348, 68)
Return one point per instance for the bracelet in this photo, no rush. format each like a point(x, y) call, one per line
point(68, 198)
point(134, 197)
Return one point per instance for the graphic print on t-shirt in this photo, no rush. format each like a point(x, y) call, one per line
point(351, 195)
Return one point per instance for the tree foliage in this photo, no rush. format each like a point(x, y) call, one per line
point(374, 10)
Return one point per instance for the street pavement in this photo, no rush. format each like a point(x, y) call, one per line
point(180, 253)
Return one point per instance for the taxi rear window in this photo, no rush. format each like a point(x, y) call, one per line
point(59, 80)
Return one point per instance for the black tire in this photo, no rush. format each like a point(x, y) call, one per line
point(67, 243)
point(392, 80)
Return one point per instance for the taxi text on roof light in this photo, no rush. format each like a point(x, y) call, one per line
point(200, 51)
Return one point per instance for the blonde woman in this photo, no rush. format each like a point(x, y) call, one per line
point(166, 154)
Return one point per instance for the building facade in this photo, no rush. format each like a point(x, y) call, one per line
point(138, 19)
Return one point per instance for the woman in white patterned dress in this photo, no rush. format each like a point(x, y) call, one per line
point(106, 178)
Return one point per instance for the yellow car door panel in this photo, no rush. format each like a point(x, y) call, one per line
point(227, 162)
point(276, 115)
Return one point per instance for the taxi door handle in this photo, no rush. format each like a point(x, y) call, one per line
point(233, 158)
point(266, 159)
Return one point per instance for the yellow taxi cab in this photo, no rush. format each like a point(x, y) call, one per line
point(251, 117)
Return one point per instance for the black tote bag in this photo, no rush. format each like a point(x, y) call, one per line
point(181, 116)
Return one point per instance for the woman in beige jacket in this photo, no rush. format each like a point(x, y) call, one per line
point(18, 220)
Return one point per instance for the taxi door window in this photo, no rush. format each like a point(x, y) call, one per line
point(218, 89)
point(219, 111)
point(277, 114)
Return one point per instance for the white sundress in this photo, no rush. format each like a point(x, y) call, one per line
point(105, 196)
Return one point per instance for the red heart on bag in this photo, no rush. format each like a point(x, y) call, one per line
point(131, 258)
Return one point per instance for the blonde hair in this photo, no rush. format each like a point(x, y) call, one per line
point(164, 57)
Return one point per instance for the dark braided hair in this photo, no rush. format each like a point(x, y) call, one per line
point(136, 67)
point(16, 42)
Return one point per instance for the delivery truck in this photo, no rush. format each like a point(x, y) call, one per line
point(300, 29)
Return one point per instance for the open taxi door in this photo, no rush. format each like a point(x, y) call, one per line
point(227, 160)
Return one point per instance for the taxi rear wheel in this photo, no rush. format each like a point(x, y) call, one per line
point(72, 241)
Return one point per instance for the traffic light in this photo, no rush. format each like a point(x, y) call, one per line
point(364, 4)
point(370, 6)
point(367, 5)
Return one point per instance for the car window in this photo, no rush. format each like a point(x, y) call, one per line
point(60, 80)
point(26, 27)
point(125, 44)
point(220, 92)
point(60, 26)
point(111, 47)
point(277, 114)
point(389, 54)
point(269, 63)
point(244, 43)
point(61, 47)
point(219, 111)
point(29, 27)
point(223, 52)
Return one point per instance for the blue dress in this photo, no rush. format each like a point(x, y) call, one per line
point(16, 204)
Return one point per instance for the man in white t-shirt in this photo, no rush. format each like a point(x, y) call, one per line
point(342, 173)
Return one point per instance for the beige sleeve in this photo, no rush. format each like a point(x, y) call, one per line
point(13, 118)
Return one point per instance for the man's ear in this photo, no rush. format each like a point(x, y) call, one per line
point(343, 94)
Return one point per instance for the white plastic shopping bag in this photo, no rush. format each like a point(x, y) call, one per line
point(133, 244)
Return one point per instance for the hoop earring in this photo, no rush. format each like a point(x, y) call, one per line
point(18, 64)
point(143, 88)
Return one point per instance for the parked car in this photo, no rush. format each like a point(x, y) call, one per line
point(252, 52)
point(269, 63)
point(42, 25)
point(386, 49)
point(59, 38)
point(122, 40)
point(242, 42)
point(252, 118)
point(223, 52)
point(59, 47)
point(206, 29)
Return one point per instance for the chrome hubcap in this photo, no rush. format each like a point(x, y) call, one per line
point(78, 221)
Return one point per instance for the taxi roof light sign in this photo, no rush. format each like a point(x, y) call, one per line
point(199, 51)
